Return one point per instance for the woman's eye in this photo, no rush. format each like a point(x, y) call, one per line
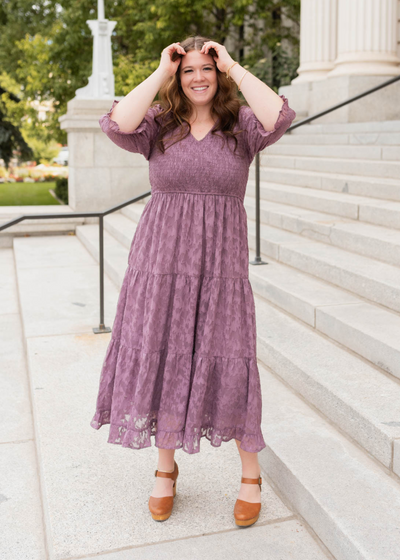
point(208, 68)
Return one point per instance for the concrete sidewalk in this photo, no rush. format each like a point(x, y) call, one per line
point(67, 493)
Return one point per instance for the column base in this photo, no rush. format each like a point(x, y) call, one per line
point(101, 174)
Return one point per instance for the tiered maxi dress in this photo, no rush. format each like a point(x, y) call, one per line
point(181, 362)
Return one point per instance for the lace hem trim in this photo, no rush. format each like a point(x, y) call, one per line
point(188, 439)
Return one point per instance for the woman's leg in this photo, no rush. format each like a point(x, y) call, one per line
point(163, 486)
point(250, 469)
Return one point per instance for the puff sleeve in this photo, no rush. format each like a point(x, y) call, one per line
point(141, 140)
point(257, 138)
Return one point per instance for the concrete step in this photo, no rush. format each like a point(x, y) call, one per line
point(387, 169)
point(360, 400)
point(373, 187)
point(349, 501)
point(341, 138)
point(348, 128)
point(115, 254)
point(54, 226)
point(375, 281)
point(287, 539)
point(121, 228)
point(376, 153)
point(366, 329)
point(375, 241)
point(133, 211)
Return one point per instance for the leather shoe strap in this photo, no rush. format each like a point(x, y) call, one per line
point(252, 480)
point(163, 474)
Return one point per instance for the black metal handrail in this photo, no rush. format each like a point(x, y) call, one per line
point(102, 328)
point(258, 259)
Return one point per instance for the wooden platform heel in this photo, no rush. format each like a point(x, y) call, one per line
point(161, 508)
point(247, 513)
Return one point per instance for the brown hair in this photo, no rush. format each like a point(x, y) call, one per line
point(177, 108)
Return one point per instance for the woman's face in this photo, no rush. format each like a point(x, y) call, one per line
point(198, 75)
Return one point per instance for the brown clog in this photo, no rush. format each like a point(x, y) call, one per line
point(161, 508)
point(247, 513)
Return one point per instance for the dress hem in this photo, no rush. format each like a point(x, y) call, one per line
point(188, 442)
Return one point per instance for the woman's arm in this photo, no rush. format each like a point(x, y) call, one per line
point(265, 103)
point(130, 111)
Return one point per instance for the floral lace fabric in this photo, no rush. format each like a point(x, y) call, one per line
point(181, 363)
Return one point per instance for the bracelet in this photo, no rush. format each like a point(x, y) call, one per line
point(240, 81)
point(227, 72)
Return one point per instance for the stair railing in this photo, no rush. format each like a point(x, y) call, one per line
point(102, 328)
point(257, 259)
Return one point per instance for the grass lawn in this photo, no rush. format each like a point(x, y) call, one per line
point(27, 194)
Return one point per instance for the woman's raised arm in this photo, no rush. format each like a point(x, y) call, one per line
point(264, 102)
point(130, 111)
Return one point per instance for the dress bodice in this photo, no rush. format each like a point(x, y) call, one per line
point(207, 166)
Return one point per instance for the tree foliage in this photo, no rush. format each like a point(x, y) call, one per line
point(47, 46)
point(11, 139)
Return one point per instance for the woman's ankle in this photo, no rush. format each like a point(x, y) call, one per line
point(166, 467)
point(251, 473)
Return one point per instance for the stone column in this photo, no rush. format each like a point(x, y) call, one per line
point(367, 38)
point(318, 24)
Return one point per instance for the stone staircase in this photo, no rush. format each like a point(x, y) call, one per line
point(328, 326)
point(328, 343)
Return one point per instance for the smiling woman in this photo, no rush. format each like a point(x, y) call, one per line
point(198, 76)
point(181, 364)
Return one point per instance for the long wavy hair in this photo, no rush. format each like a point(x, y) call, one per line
point(177, 108)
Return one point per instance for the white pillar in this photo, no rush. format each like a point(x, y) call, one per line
point(318, 23)
point(367, 38)
point(101, 82)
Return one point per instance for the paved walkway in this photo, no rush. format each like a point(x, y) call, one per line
point(66, 493)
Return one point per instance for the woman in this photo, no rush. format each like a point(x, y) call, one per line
point(181, 363)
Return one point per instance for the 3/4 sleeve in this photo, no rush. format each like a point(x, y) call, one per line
point(257, 138)
point(141, 140)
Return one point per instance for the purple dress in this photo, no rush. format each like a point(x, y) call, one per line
point(181, 363)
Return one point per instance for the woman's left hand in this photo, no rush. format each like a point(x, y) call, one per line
point(223, 59)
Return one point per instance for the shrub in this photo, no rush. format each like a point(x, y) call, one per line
point(61, 189)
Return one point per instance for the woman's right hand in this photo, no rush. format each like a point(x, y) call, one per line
point(170, 58)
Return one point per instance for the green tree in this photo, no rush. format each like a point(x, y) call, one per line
point(11, 139)
point(47, 47)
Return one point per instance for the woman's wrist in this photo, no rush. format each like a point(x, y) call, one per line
point(236, 72)
point(162, 73)
point(229, 66)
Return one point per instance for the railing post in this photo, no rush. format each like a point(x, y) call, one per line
point(258, 259)
point(102, 328)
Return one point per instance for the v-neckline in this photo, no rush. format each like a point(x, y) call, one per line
point(204, 137)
